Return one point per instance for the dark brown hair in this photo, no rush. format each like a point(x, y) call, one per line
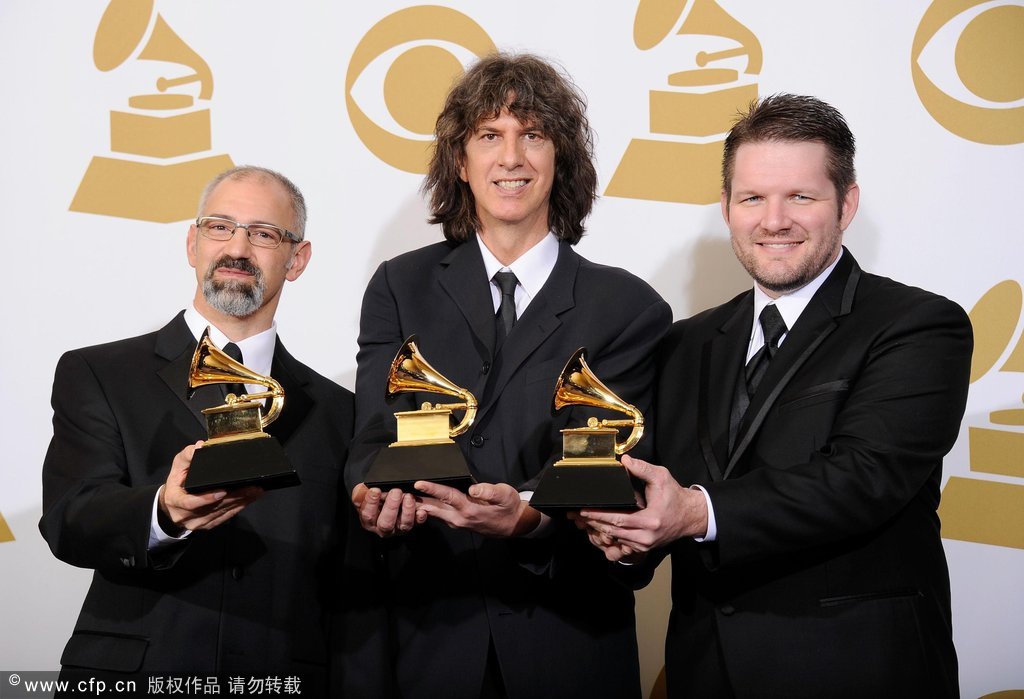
point(784, 117)
point(534, 92)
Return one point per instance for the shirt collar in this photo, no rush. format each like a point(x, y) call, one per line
point(790, 305)
point(257, 350)
point(532, 268)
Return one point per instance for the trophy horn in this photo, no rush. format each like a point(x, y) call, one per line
point(577, 385)
point(410, 372)
point(211, 365)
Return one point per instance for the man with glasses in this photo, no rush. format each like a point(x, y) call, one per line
point(210, 584)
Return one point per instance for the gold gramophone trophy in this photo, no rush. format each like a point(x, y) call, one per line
point(238, 452)
point(588, 474)
point(425, 450)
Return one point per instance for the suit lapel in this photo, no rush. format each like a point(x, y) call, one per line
point(720, 360)
point(176, 345)
point(464, 279)
point(818, 320)
point(293, 378)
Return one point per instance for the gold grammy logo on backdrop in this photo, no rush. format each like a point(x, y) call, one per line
point(990, 511)
point(681, 159)
point(988, 61)
point(159, 180)
point(5, 531)
point(414, 86)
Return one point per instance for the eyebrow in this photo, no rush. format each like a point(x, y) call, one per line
point(250, 223)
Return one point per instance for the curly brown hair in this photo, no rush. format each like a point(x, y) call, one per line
point(534, 92)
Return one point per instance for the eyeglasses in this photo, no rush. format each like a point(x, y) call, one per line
point(262, 235)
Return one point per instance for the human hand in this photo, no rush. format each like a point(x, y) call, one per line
point(670, 512)
point(388, 514)
point(182, 511)
point(490, 509)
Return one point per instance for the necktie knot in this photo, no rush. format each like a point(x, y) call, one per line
point(506, 315)
point(233, 351)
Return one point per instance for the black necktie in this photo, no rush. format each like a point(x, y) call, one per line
point(774, 328)
point(232, 350)
point(505, 318)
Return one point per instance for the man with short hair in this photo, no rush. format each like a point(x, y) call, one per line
point(803, 426)
point(486, 597)
point(210, 584)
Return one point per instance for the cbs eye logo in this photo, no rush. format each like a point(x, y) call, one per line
point(401, 71)
point(973, 51)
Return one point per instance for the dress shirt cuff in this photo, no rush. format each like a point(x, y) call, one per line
point(712, 532)
point(157, 536)
point(545, 521)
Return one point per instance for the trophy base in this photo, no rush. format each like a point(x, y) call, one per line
point(400, 467)
point(261, 462)
point(564, 488)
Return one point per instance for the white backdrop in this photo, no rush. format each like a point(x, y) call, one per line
point(941, 179)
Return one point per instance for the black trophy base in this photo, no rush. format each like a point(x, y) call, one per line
point(260, 462)
point(564, 488)
point(400, 467)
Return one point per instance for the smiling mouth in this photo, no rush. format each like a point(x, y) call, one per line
point(779, 246)
point(512, 185)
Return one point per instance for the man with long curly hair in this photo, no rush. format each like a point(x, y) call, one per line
point(488, 597)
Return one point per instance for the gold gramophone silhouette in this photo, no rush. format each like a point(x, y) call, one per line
point(425, 450)
point(238, 452)
point(978, 509)
point(678, 162)
point(588, 474)
point(164, 126)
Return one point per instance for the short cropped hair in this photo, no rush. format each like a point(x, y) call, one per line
point(246, 172)
point(785, 117)
point(534, 92)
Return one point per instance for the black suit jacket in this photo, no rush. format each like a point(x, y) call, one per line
point(828, 577)
point(249, 596)
point(560, 626)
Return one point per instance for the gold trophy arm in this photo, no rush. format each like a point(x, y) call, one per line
point(637, 423)
point(276, 404)
point(470, 407)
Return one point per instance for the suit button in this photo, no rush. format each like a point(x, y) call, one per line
point(128, 561)
point(477, 441)
point(727, 609)
point(485, 368)
point(236, 573)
